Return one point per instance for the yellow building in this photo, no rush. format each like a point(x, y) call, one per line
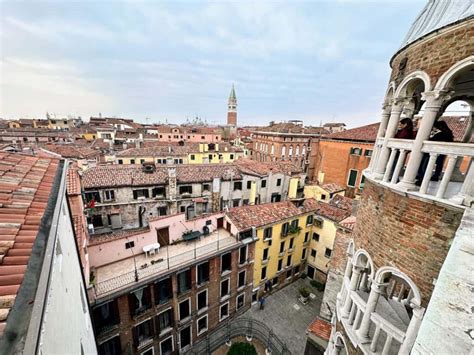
point(285, 232)
point(188, 153)
point(323, 192)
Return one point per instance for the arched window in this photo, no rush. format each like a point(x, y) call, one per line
point(303, 151)
point(283, 151)
point(297, 153)
point(290, 151)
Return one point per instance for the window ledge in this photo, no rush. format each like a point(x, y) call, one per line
point(165, 331)
point(225, 298)
point(202, 310)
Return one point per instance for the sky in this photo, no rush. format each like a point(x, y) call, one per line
point(316, 61)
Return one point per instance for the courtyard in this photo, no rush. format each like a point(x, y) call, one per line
point(287, 316)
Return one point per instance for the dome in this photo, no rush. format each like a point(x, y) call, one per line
point(438, 14)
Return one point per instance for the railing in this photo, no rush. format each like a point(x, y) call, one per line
point(240, 327)
point(161, 266)
point(457, 179)
point(375, 343)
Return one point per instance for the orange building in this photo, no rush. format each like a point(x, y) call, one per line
point(342, 156)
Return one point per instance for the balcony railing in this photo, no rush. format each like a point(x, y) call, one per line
point(456, 184)
point(387, 328)
point(240, 327)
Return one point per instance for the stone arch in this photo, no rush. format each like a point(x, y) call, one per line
point(358, 257)
point(445, 81)
point(380, 277)
point(351, 248)
point(340, 342)
point(409, 80)
point(389, 94)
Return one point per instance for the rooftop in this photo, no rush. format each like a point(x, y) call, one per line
point(290, 128)
point(342, 202)
point(26, 184)
point(245, 217)
point(320, 328)
point(159, 150)
point(333, 187)
point(121, 274)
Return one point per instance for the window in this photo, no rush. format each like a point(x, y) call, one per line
point(278, 182)
point(164, 320)
point(132, 161)
point(368, 153)
point(294, 224)
point(167, 346)
point(306, 237)
point(129, 245)
point(362, 182)
point(120, 161)
point(265, 254)
point(106, 316)
point(309, 219)
point(140, 193)
point(206, 187)
point(235, 203)
point(184, 309)
point(226, 261)
point(158, 191)
point(249, 185)
point(185, 337)
point(109, 195)
point(267, 233)
point(184, 281)
point(193, 157)
point(316, 237)
point(143, 333)
point(323, 197)
point(280, 264)
point(238, 185)
point(313, 253)
point(303, 255)
point(202, 273)
point(351, 181)
point(142, 161)
point(182, 209)
point(202, 325)
point(245, 202)
point(285, 229)
point(201, 300)
point(241, 281)
point(231, 156)
point(319, 222)
point(264, 273)
point(92, 196)
point(110, 347)
point(139, 301)
point(292, 242)
point(263, 184)
point(225, 288)
point(288, 260)
point(162, 211)
point(328, 253)
point(356, 151)
point(210, 157)
point(282, 247)
point(163, 291)
point(243, 255)
point(185, 190)
point(224, 311)
point(240, 301)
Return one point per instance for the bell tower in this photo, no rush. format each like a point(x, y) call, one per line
point(232, 108)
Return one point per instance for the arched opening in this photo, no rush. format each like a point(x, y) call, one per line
point(340, 347)
point(363, 261)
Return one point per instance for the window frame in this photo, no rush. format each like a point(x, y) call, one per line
point(197, 325)
point(237, 308)
point(220, 311)
point(226, 295)
point(355, 179)
point(182, 320)
point(203, 309)
point(162, 341)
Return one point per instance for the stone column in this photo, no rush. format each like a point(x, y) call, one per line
point(434, 101)
point(363, 331)
point(446, 176)
point(395, 113)
point(412, 330)
point(352, 287)
point(428, 173)
point(466, 195)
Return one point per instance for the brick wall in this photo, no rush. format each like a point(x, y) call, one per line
point(410, 234)
point(437, 54)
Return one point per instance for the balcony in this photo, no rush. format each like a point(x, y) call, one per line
point(379, 317)
point(455, 185)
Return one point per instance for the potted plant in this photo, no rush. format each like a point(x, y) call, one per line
point(304, 295)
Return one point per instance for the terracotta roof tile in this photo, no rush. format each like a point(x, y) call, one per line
point(25, 186)
point(342, 202)
point(245, 217)
point(333, 187)
point(321, 329)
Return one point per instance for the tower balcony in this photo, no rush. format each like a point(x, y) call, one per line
point(454, 184)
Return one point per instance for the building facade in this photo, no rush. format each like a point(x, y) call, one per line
point(125, 196)
point(176, 295)
point(400, 279)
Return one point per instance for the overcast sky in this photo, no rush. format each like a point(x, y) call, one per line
point(316, 61)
